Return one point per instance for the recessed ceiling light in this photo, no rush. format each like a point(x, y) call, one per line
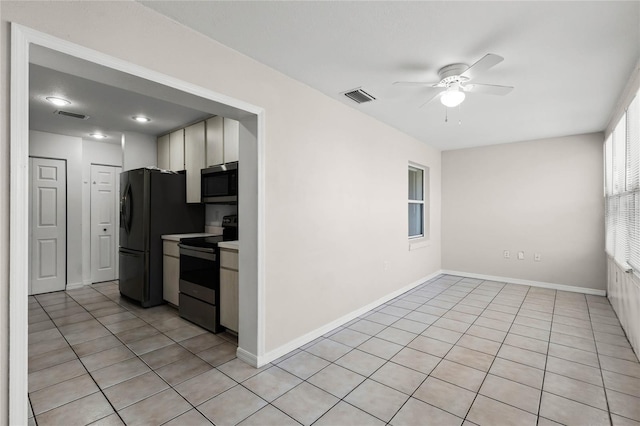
point(141, 118)
point(58, 101)
point(98, 135)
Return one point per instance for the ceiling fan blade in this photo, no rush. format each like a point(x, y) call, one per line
point(488, 61)
point(415, 83)
point(488, 89)
point(435, 95)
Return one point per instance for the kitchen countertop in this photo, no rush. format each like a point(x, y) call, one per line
point(178, 237)
point(232, 245)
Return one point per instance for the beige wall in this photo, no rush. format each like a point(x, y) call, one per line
point(541, 196)
point(335, 179)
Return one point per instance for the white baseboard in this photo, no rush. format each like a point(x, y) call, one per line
point(73, 286)
point(259, 361)
point(541, 284)
point(248, 357)
point(312, 335)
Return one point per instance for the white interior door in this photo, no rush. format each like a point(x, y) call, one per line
point(48, 225)
point(104, 226)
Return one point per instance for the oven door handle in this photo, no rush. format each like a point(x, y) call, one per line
point(199, 252)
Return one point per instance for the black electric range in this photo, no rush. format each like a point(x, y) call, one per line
point(199, 298)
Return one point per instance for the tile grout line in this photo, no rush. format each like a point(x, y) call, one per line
point(496, 355)
point(385, 360)
point(154, 370)
point(441, 358)
point(579, 380)
point(89, 372)
point(595, 343)
point(114, 335)
point(83, 366)
point(405, 346)
point(546, 358)
point(442, 287)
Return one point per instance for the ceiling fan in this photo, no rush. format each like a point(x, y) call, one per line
point(455, 78)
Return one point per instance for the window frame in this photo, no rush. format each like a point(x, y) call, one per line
point(423, 202)
point(621, 190)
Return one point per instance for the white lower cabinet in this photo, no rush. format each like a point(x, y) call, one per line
point(171, 271)
point(229, 289)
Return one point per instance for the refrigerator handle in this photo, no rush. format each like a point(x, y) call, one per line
point(125, 209)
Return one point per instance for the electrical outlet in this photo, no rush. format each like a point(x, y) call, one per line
point(520, 255)
point(537, 257)
point(506, 254)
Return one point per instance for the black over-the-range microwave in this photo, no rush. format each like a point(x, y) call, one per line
point(220, 184)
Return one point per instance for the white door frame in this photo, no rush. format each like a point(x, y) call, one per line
point(252, 134)
point(116, 217)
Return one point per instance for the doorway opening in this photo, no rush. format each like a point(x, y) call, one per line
point(33, 47)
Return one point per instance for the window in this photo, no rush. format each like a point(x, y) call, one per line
point(416, 202)
point(622, 189)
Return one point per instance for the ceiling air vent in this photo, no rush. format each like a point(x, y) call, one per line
point(72, 114)
point(359, 96)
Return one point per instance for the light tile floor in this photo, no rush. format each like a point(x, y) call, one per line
point(452, 351)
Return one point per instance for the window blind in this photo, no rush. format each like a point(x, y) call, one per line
point(633, 182)
point(622, 189)
point(619, 157)
point(610, 210)
point(608, 166)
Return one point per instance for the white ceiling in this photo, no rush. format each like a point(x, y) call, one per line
point(110, 108)
point(569, 61)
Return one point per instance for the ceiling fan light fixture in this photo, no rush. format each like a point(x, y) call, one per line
point(452, 97)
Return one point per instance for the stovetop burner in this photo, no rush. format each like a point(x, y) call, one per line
point(207, 242)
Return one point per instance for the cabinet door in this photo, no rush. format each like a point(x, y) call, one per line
point(231, 140)
point(176, 146)
point(215, 141)
point(194, 151)
point(164, 153)
point(170, 279)
point(229, 299)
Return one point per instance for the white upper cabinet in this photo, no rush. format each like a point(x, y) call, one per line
point(222, 140)
point(231, 138)
point(203, 144)
point(164, 153)
point(176, 150)
point(215, 141)
point(194, 159)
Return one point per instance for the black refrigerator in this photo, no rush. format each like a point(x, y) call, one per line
point(152, 203)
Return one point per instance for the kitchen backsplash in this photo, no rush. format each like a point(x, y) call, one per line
point(215, 212)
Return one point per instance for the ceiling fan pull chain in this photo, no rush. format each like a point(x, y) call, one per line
point(460, 114)
point(446, 114)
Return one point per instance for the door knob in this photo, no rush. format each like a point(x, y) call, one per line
point(105, 229)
